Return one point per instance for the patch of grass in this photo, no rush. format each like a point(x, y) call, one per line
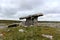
point(30, 33)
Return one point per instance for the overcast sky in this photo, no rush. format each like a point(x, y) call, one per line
point(13, 9)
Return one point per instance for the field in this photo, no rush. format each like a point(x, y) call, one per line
point(28, 33)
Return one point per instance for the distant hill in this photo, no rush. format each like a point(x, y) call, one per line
point(9, 21)
point(48, 21)
point(17, 21)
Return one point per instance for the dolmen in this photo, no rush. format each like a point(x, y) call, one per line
point(31, 19)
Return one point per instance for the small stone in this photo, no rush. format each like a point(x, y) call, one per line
point(21, 30)
point(1, 34)
point(25, 26)
point(47, 36)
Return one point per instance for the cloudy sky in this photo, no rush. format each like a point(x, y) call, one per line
point(14, 9)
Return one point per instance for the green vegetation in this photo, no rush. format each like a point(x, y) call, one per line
point(18, 21)
point(9, 21)
point(29, 33)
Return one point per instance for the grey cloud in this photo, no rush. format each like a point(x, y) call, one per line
point(53, 10)
point(9, 10)
point(26, 7)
